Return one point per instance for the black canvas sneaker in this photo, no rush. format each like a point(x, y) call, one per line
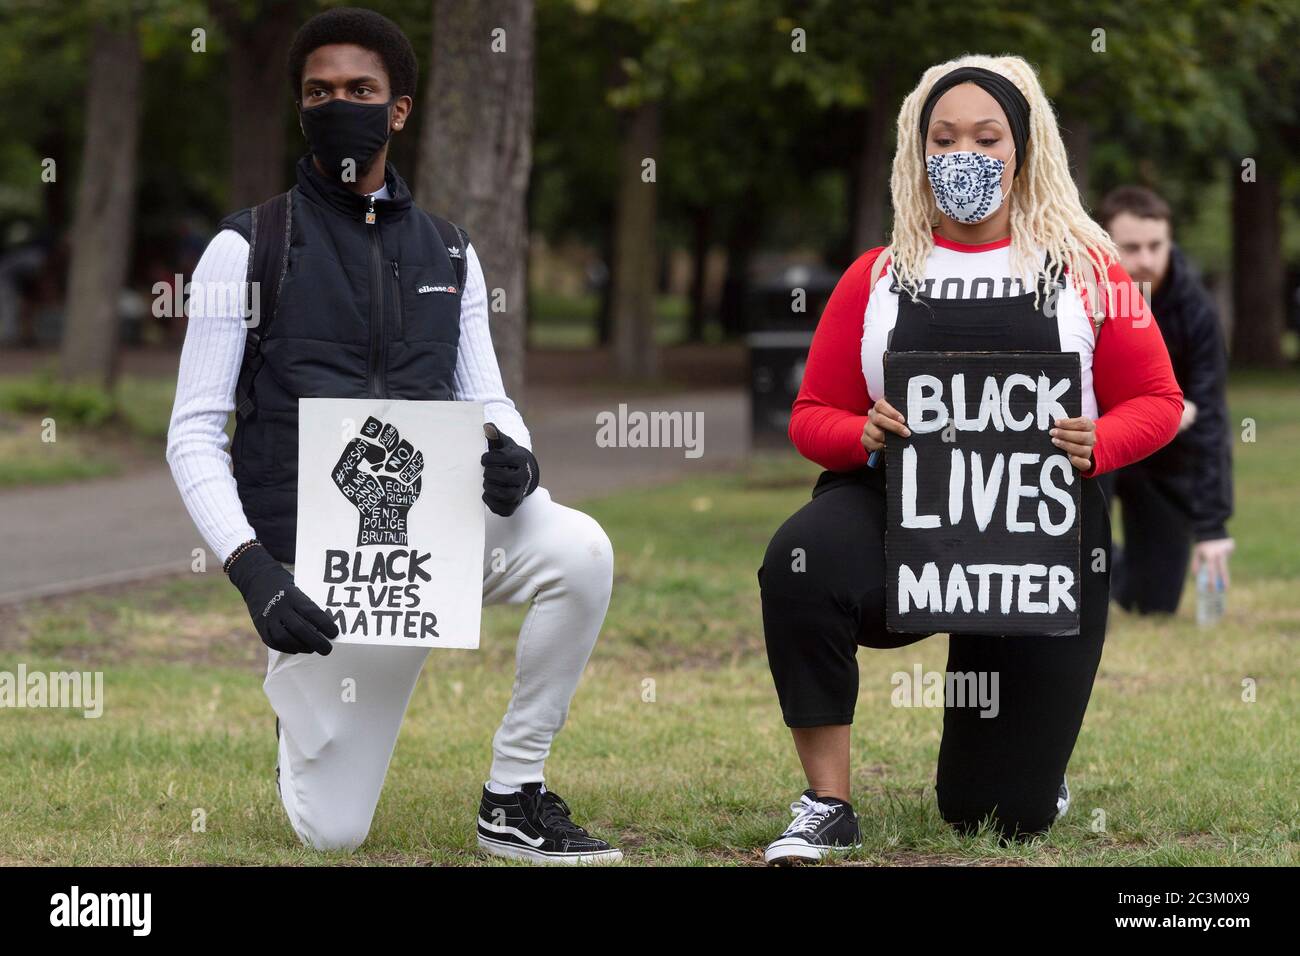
point(533, 824)
point(822, 826)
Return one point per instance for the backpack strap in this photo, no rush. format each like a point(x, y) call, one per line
point(1092, 293)
point(456, 240)
point(877, 268)
point(268, 259)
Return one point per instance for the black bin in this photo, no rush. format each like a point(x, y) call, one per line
point(778, 340)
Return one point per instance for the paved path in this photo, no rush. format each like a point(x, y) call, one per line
point(71, 537)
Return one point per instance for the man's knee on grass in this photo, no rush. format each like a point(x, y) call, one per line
point(340, 832)
point(582, 556)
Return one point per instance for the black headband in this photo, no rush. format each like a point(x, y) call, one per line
point(1011, 100)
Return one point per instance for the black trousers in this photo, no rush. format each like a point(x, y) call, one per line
point(1149, 571)
point(823, 593)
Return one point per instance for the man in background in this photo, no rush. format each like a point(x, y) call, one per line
point(1176, 503)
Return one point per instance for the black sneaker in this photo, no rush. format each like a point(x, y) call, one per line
point(533, 824)
point(822, 826)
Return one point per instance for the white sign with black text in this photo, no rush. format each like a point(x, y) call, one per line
point(390, 518)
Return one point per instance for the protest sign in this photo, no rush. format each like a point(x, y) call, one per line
point(390, 518)
point(982, 531)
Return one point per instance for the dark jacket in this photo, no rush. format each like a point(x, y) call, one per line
point(365, 311)
point(1189, 321)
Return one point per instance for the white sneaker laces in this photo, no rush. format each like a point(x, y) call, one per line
point(808, 815)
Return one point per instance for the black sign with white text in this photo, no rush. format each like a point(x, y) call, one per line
point(982, 532)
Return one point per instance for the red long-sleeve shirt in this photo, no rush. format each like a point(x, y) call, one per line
point(1138, 398)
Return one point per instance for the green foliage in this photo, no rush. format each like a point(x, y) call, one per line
point(42, 393)
point(762, 135)
point(142, 406)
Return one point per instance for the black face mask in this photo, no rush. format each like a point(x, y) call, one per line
point(341, 130)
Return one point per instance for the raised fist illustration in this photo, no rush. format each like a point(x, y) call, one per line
point(379, 472)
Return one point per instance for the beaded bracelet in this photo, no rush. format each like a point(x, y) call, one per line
point(237, 552)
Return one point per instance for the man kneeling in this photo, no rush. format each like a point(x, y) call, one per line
point(353, 73)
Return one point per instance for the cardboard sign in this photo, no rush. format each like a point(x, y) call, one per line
point(982, 533)
point(390, 518)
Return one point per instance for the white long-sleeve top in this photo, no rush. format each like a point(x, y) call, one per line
point(209, 369)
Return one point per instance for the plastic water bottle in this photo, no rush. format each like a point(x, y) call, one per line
point(1209, 598)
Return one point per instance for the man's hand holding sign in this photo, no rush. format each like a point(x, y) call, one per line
point(983, 491)
point(286, 619)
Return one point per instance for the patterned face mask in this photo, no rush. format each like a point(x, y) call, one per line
point(967, 185)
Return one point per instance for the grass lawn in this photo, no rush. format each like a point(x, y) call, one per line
point(91, 436)
point(675, 746)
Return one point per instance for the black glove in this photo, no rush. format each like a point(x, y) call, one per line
point(510, 473)
point(286, 619)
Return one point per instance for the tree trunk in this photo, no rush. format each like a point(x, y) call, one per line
point(873, 168)
point(102, 226)
point(54, 196)
point(605, 310)
point(701, 235)
point(1258, 281)
point(476, 153)
point(257, 70)
point(635, 261)
point(742, 240)
point(1077, 134)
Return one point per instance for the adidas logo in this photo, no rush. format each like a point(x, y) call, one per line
point(436, 288)
point(453, 251)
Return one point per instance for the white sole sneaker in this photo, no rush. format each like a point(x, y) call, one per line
point(511, 851)
point(1063, 802)
point(784, 852)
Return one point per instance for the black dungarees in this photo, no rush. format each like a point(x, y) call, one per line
point(823, 593)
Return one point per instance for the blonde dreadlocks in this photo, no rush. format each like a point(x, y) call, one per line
point(1046, 209)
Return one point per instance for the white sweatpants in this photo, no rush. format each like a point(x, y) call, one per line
point(337, 738)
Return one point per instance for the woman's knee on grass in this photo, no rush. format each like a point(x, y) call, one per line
point(1012, 814)
point(808, 561)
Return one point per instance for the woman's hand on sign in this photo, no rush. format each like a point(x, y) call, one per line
point(881, 418)
point(1076, 437)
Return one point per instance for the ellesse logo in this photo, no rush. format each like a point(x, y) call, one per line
point(436, 288)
